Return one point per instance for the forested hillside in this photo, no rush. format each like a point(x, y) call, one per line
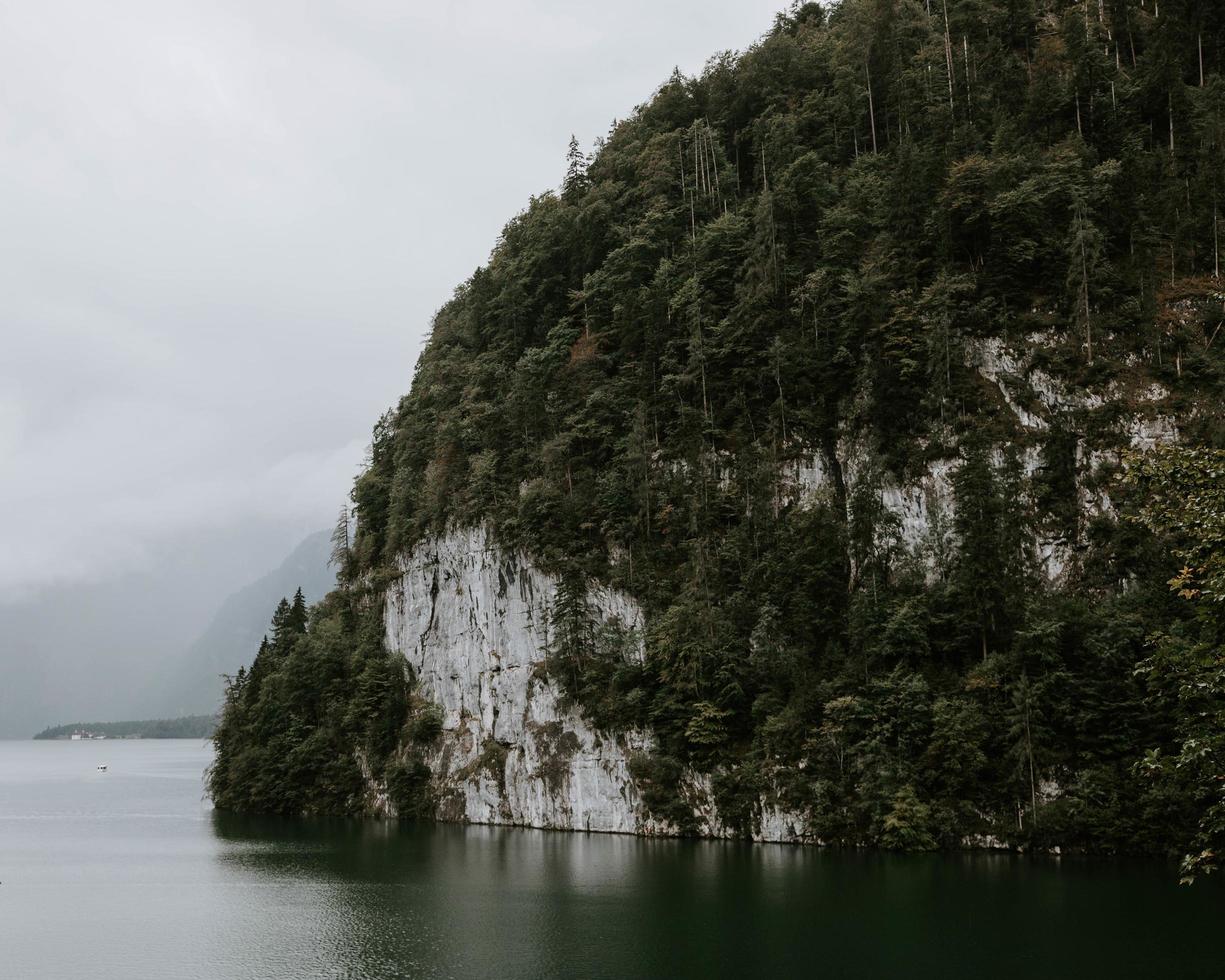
point(834, 358)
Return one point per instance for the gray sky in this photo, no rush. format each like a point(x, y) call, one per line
point(226, 226)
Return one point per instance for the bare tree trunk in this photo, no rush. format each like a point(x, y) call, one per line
point(697, 164)
point(1084, 274)
point(871, 106)
point(693, 226)
point(948, 54)
point(965, 47)
point(1170, 100)
point(1216, 241)
point(1029, 752)
point(736, 140)
point(714, 165)
point(782, 406)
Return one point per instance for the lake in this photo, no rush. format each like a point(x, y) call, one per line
point(129, 874)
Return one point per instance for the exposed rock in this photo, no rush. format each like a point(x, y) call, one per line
point(1148, 433)
point(472, 620)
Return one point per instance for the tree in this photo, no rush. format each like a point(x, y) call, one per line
point(296, 620)
point(1182, 495)
point(1085, 258)
point(575, 181)
point(571, 628)
point(979, 523)
point(341, 554)
point(1023, 719)
point(1183, 500)
point(282, 626)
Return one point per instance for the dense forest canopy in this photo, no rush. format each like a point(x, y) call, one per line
point(793, 264)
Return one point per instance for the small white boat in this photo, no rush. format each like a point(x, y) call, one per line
point(102, 767)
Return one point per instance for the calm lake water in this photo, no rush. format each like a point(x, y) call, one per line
point(129, 874)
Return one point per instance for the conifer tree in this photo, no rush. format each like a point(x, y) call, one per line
point(282, 626)
point(575, 181)
point(296, 621)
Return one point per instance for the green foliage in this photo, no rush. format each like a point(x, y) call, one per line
point(908, 826)
point(408, 785)
point(659, 779)
point(705, 372)
point(320, 694)
point(1184, 498)
point(426, 725)
point(1183, 494)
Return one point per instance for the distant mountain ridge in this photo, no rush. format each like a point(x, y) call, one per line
point(194, 685)
point(107, 647)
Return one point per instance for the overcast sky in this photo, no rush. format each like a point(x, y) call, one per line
point(224, 227)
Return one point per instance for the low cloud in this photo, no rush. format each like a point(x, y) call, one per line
point(228, 224)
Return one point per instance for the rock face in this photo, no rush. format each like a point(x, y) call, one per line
point(472, 620)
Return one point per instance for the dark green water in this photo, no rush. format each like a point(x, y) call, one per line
point(127, 874)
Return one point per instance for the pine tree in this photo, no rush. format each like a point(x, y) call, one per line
point(978, 525)
point(282, 629)
point(571, 628)
point(341, 545)
point(296, 620)
point(576, 171)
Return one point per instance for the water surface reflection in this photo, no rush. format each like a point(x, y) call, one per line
point(376, 899)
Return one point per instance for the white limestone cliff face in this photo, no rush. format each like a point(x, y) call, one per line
point(472, 622)
point(1022, 385)
point(923, 508)
point(472, 619)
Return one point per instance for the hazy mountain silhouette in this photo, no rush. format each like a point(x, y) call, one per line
point(194, 683)
point(114, 647)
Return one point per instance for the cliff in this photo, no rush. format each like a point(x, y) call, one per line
point(472, 620)
point(773, 479)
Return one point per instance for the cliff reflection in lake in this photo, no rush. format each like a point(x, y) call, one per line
point(437, 900)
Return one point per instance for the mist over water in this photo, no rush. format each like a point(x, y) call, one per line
point(128, 873)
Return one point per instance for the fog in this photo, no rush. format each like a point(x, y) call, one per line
point(226, 227)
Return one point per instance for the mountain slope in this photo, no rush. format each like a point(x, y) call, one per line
point(829, 362)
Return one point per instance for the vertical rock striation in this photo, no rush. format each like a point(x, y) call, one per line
point(472, 621)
